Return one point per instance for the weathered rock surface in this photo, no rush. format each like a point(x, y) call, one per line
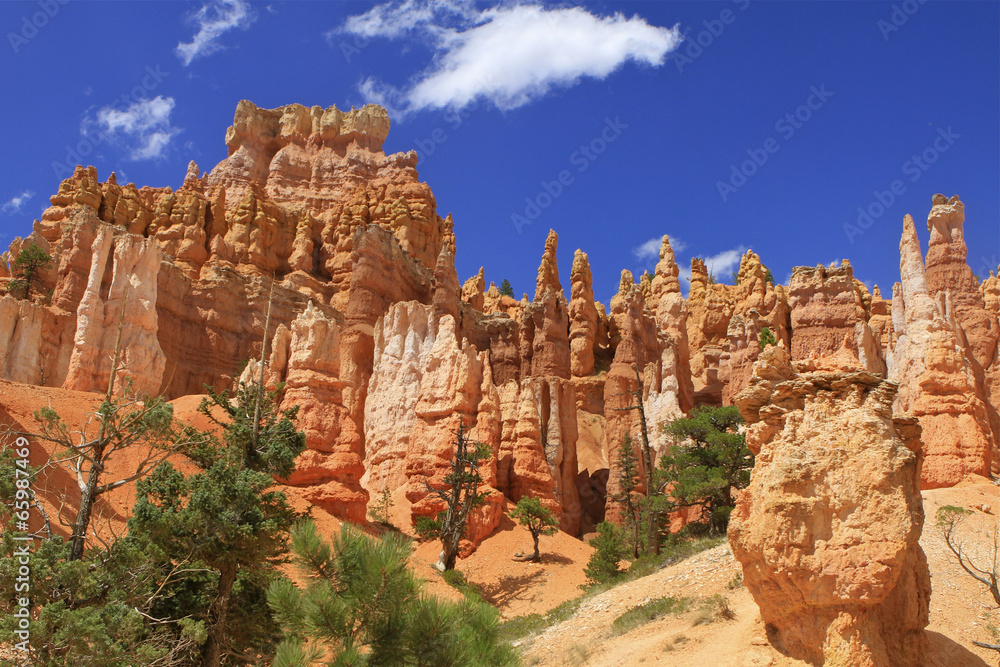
point(129, 306)
point(936, 374)
point(827, 532)
point(333, 466)
point(545, 348)
point(424, 384)
point(710, 307)
point(826, 305)
point(583, 317)
point(757, 303)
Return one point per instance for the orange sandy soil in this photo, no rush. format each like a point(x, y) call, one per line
point(959, 608)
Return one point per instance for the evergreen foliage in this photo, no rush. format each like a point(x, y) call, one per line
point(766, 338)
point(628, 493)
point(27, 268)
point(363, 606)
point(460, 495)
point(222, 531)
point(506, 289)
point(609, 551)
point(533, 515)
point(708, 460)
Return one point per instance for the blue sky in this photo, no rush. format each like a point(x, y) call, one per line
point(728, 125)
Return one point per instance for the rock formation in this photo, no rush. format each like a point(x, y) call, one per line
point(545, 346)
point(935, 370)
point(583, 317)
point(757, 303)
point(130, 306)
point(310, 230)
point(827, 532)
point(332, 467)
point(425, 382)
point(710, 307)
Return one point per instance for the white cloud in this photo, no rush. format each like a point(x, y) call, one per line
point(143, 128)
point(15, 203)
point(721, 266)
point(650, 250)
point(214, 19)
point(508, 54)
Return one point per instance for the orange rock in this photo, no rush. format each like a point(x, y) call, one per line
point(935, 371)
point(424, 383)
point(333, 467)
point(473, 288)
point(130, 303)
point(710, 307)
point(583, 317)
point(827, 532)
point(671, 320)
point(757, 303)
point(545, 349)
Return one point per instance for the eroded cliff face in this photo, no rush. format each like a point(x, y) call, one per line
point(827, 531)
point(936, 370)
point(385, 351)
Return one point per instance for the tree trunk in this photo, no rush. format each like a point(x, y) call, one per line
point(534, 556)
point(212, 653)
point(87, 497)
point(647, 460)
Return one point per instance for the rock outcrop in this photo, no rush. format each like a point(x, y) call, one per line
point(757, 303)
point(332, 467)
point(583, 317)
point(710, 307)
point(936, 374)
point(827, 532)
point(830, 310)
point(129, 307)
point(545, 349)
point(425, 382)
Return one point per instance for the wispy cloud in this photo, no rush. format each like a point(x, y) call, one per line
point(214, 19)
point(143, 128)
point(650, 250)
point(721, 265)
point(509, 54)
point(14, 204)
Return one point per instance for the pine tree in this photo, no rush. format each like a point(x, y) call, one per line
point(766, 338)
point(628, 483)
point(609, 550)
point(506, 289)
point(533, 515)
point(140, 424)
point(709, 460)
point(226, 525)
point(363, 606)
point(460, 495)
point(27, 268)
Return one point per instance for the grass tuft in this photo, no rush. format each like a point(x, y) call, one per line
point(648, 612)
